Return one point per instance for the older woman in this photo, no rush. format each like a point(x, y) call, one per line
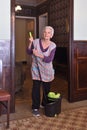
point(42, 51)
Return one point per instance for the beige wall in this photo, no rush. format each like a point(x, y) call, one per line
point(23, 26)
point(20, 40)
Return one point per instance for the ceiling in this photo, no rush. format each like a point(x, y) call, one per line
point(29, 2)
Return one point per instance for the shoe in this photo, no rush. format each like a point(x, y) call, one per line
point(35, 112)
point(41, 106)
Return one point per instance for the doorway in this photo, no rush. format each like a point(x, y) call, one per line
point(43, 21)
point(24, 25)
point(23, 61)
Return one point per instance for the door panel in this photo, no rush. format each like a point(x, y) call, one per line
point(82, 74)
point(81, 65)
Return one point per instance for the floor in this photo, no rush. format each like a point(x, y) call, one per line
point(23, 97)
point(59, 85)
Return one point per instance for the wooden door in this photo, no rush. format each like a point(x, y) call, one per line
point(77, 55)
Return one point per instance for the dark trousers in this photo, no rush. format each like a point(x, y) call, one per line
point(36, 93)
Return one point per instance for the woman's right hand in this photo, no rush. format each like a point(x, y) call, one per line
point(30, 42)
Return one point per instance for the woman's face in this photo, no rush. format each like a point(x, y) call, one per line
point(47, 34)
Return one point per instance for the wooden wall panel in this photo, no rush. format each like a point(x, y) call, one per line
point(78, 71)
point(81, 65)
point(5, 74)
point(82, 74)
point(4, 52)
point(59, 19)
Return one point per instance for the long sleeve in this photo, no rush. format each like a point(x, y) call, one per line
point(50, 58)
point(30, 50)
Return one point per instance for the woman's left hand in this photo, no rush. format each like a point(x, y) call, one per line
point(36, 53)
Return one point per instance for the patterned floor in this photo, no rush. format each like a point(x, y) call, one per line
point(70, 120)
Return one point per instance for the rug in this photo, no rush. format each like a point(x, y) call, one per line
point(69, 120)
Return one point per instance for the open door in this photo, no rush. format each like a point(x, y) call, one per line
point(78, 51)
point(43, 21)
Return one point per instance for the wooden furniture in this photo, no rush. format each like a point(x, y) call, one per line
point(5, 97)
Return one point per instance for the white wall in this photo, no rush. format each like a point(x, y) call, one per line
point(80, 20)
point(5, 20)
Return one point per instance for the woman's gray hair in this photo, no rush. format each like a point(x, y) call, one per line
point(51, 28)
